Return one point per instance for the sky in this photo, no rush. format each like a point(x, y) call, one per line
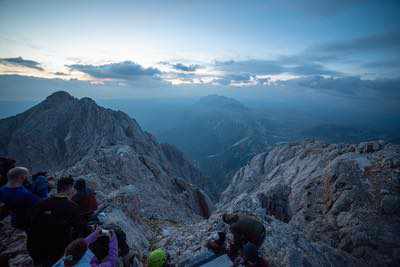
point(195, 45)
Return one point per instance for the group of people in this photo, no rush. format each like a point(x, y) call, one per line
point(59, 233)
point(54, 223)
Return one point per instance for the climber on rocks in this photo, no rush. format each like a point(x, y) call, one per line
point(244, 228)
point(18, 201)
point(55, 222)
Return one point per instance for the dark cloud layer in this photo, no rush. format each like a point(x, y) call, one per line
point(123, 70)
point(273, 67)
point(354, 86)
point(382, 45)
point(19, 61)
point(187, 68)
point(384, 42)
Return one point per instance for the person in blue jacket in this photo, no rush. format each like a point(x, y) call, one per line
point(17, 199)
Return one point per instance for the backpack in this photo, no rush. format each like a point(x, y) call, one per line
point(123, 247)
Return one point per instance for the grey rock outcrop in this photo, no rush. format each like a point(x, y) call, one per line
point(284, 244)
point(345, 196)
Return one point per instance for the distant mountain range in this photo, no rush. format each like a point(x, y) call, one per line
point(220, 135)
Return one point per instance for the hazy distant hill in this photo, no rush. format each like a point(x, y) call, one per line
point(220, 134)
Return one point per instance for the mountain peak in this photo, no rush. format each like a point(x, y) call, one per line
point(218, 101)
point(59, 97)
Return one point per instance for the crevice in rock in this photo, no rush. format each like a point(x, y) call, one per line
point(276, 203)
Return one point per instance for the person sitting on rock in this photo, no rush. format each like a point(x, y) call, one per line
point(17, 199)
point(85, 198)
point(55, 223)
point(89, 252)
point(244, 228)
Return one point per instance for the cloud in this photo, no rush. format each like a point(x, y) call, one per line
point(186, 68)
point(383, 41)
point(354, 86)
point(383, 64)
point(273, 67)
point(382, 45)
point(59, 73)
point(126, 70)
point(19, 61)
point(312, 69)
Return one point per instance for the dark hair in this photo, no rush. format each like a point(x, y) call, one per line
point(80, 185)
point(74, 252)
point(64, 183)
point(100, 247)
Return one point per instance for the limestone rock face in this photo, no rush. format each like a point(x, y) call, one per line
point(69, 136)
point(345, 196)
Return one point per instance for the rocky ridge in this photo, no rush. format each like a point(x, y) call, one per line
point(346, 196)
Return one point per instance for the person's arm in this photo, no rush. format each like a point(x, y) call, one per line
point(112, 252)
point(92, 237)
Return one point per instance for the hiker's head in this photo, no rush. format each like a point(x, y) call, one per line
point(65, 185)
point(100, 247)
point(74, 252)
point(80, 185)
point(230, 218)
point(250, 252)
point(157, 258)
point(17, 175)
